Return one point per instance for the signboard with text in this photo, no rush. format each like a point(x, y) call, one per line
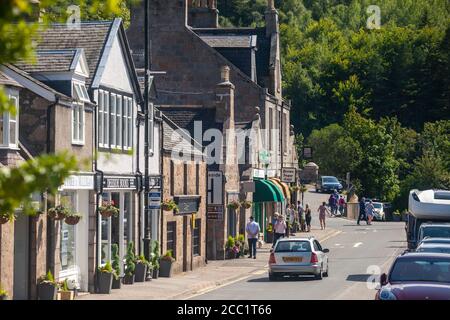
point(214, 212)
point(187, 205)
point(119, 183)
point(215, 187)
point(288, 175)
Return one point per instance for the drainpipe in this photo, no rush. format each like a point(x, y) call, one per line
point(139, 174)
point(161, 170)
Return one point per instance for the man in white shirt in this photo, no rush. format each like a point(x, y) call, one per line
point(252, 236)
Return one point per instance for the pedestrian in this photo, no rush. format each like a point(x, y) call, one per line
point(341, 205)
point(370, 212)
point(299, 211)
point(332, 202)
point(322, 213)
point(279, 229)
point(252, 229)
point(308, 217)
point(303, 220)
point(291, 217)
point(362, 210)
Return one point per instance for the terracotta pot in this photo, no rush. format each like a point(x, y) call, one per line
point(72, 220)
point(66, 295)
point(4, 219)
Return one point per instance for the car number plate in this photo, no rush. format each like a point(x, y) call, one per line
point(292, 259)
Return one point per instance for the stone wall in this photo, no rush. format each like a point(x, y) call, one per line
point(7, 257)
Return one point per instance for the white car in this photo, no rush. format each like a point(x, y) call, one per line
point(379, 211)
point(298, 256)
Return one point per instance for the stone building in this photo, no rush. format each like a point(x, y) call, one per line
point(184, 181)
point(195, 54)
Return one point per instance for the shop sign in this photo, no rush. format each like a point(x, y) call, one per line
point(259, 173)
point(288, 175)
point(248, 186)
point(154, 181)
point(214, 212)
point(271, 173)
point(119, 183)
point(187, 205)
point(78, 182)
point(154, 198)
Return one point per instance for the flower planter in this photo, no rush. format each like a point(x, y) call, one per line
point(47, 291)
point(104, 282)
point(4, 219)
point(127, 279)
point(72, 220)
point(116, 283)
point(155, 273)
point(66, 295)
point(140, 272)
point(165, 268)
point(107, 213)
point(56, 216)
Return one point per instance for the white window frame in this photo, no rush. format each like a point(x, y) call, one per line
point(78, 123)
point(119, 121)
point(125, 122)
point(106, 117)
point(100, 111)
point(128, 145)
point(6, 120)
point(80, 92)
point(113, 118)
point(151, 127)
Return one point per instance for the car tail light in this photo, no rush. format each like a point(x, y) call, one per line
point(314, 258)
point(272, 258)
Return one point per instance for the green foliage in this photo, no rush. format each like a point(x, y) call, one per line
point(230, 242)
point(64, 286)
point(130, 259)
point(155, 254)
point(115, 260)
point(3, 293)
point(47, 278)
point(107, 268)
point(168, 256)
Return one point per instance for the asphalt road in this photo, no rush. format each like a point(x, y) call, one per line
point(356, 254)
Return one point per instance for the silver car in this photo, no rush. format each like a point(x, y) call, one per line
point(298, 256)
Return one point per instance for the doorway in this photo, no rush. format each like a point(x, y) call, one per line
point(21, 257)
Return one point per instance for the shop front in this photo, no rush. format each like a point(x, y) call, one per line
point(118, 230)
point(75, 195)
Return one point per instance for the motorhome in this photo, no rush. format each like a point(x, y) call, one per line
point(426, 209)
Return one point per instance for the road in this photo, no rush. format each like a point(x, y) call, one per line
point(355, 254)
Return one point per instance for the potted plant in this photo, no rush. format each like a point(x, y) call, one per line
point(155, 259)
point(140, 272)
point(230, 248)
point(72, 218)
point(246, 204)
point(169, 205)
point(116, 284)
point(58, 213)
point(240, 243)
point(5, 217)
point(64, 293)
point(104, 278)
point(130, 265)
point(234, 205)
point(108, 209)
point(47, 287)
point(166, 264)
point(269, 233)
point(3, 294)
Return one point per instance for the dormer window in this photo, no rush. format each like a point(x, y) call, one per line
point(80, 92)
point(9, 123)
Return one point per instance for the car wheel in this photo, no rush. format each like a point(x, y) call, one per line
point(325, 274)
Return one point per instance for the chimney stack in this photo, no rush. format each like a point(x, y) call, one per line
point(271, 19)
point(203, 14)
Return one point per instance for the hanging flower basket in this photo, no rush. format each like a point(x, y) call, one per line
point(169, 205)
point(246, 204)
point(73, 219)
point(58, 212)
point(4, 219)
point(234, 205)
point(108, 209)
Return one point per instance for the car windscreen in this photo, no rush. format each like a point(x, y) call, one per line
point(421, 269)
point(377, 205)
point(436, 232)
point(293, 246)
point(330, 180)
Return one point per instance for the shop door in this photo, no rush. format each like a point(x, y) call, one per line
point(21, 254)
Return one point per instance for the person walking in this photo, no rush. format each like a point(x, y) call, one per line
point(322, 214)
point(279, 229)
point(370, 212)
point(332, 203)
point(252, 229)
point(308, 218)
point(341, 205)
point(362, 210)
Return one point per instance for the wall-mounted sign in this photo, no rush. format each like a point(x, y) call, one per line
point(307, 153)
point(215, 187)
point(119, 183)
point(259, 173)
point(247, 186)
point(187, 204)
point(214, 212)
point(79, 182)
point(271, 173)
point(154, 182)
point(288, 175)
point(154, 200)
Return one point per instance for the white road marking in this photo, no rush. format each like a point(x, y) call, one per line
point(357, 244)
point(375, 230)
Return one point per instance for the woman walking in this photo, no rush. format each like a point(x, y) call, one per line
point(280, 229)
point(322, 213)
point(308, 218)
point(341, 205)
point(370, 212)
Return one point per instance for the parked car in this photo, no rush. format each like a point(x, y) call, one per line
point(434, 248)
point(379, 211)
point(434, 230)
point(328, 184)
point(298, 256)
point(417, 276)
point(429, 240)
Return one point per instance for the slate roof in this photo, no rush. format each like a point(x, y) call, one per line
point(229, 41)
point(91, 36)
point(49, 61)
point(175, 139)
point(263, 46)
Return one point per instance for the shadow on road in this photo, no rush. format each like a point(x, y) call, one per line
point(358, 277)
point(284, 279)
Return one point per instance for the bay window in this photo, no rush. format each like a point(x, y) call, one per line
point(9, 123)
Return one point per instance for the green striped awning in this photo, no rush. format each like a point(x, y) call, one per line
point(267, 191)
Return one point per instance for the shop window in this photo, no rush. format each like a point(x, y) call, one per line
point(171, 242)
point(9, 123)
point(196, 237)
point(68, 233)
